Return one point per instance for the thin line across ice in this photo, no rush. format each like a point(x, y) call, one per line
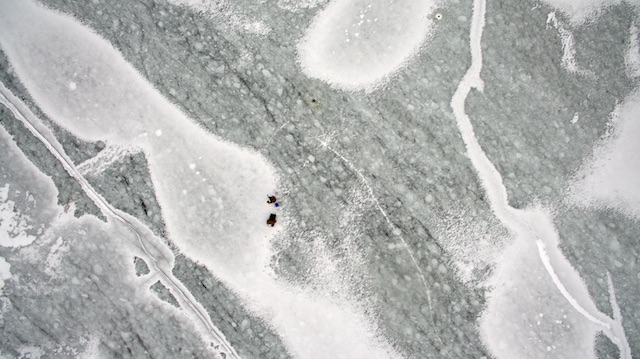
point(394, 229)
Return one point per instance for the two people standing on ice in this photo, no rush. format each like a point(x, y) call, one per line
point(272, 217)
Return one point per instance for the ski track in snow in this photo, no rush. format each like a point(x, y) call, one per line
point(156, 252)
point(89, 89)
point(525, 224)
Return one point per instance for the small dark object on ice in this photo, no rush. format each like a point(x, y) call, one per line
point(272, 199)
point(272, 220)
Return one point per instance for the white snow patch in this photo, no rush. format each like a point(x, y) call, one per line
point(30, 352)
point(358, 44)
point(474, 245)
point(13, 224)
point(299, 5)
point(57, 252)
point(511, 326)
point(575, 118)
point(5, 272)
point(227, 232)
point(92, 349)
point(610, 177)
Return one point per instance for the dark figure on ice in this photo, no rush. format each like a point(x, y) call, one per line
point(272, 199)
point(272, 220)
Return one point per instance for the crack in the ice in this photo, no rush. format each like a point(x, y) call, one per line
point(394, 230)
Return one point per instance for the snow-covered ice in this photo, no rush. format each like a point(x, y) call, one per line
point(358, 44)
point(443, 192)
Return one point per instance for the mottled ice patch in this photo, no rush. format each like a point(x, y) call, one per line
point(5, 272)
point(472, 244)
point(227, 12)
point(92, 349)
point(610, 178)
point(357, 44)
point(14, 226)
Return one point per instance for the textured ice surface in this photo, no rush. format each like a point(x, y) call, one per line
point(219, 198)
point(384, 208)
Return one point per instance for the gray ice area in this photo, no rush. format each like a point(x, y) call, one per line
point(163, 293)
point(250, 336)
point(405, 142)
point(141, 266)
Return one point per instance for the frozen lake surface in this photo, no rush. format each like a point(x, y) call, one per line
point(455, 179)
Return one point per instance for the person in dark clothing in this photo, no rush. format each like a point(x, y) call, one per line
point(272, 220)
point(272, 199)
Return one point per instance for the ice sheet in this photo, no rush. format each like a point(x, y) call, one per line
point(382, 201)
point(212, 192)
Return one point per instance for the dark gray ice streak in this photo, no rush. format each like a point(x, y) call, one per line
point(211, 191)
point(535, 236)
